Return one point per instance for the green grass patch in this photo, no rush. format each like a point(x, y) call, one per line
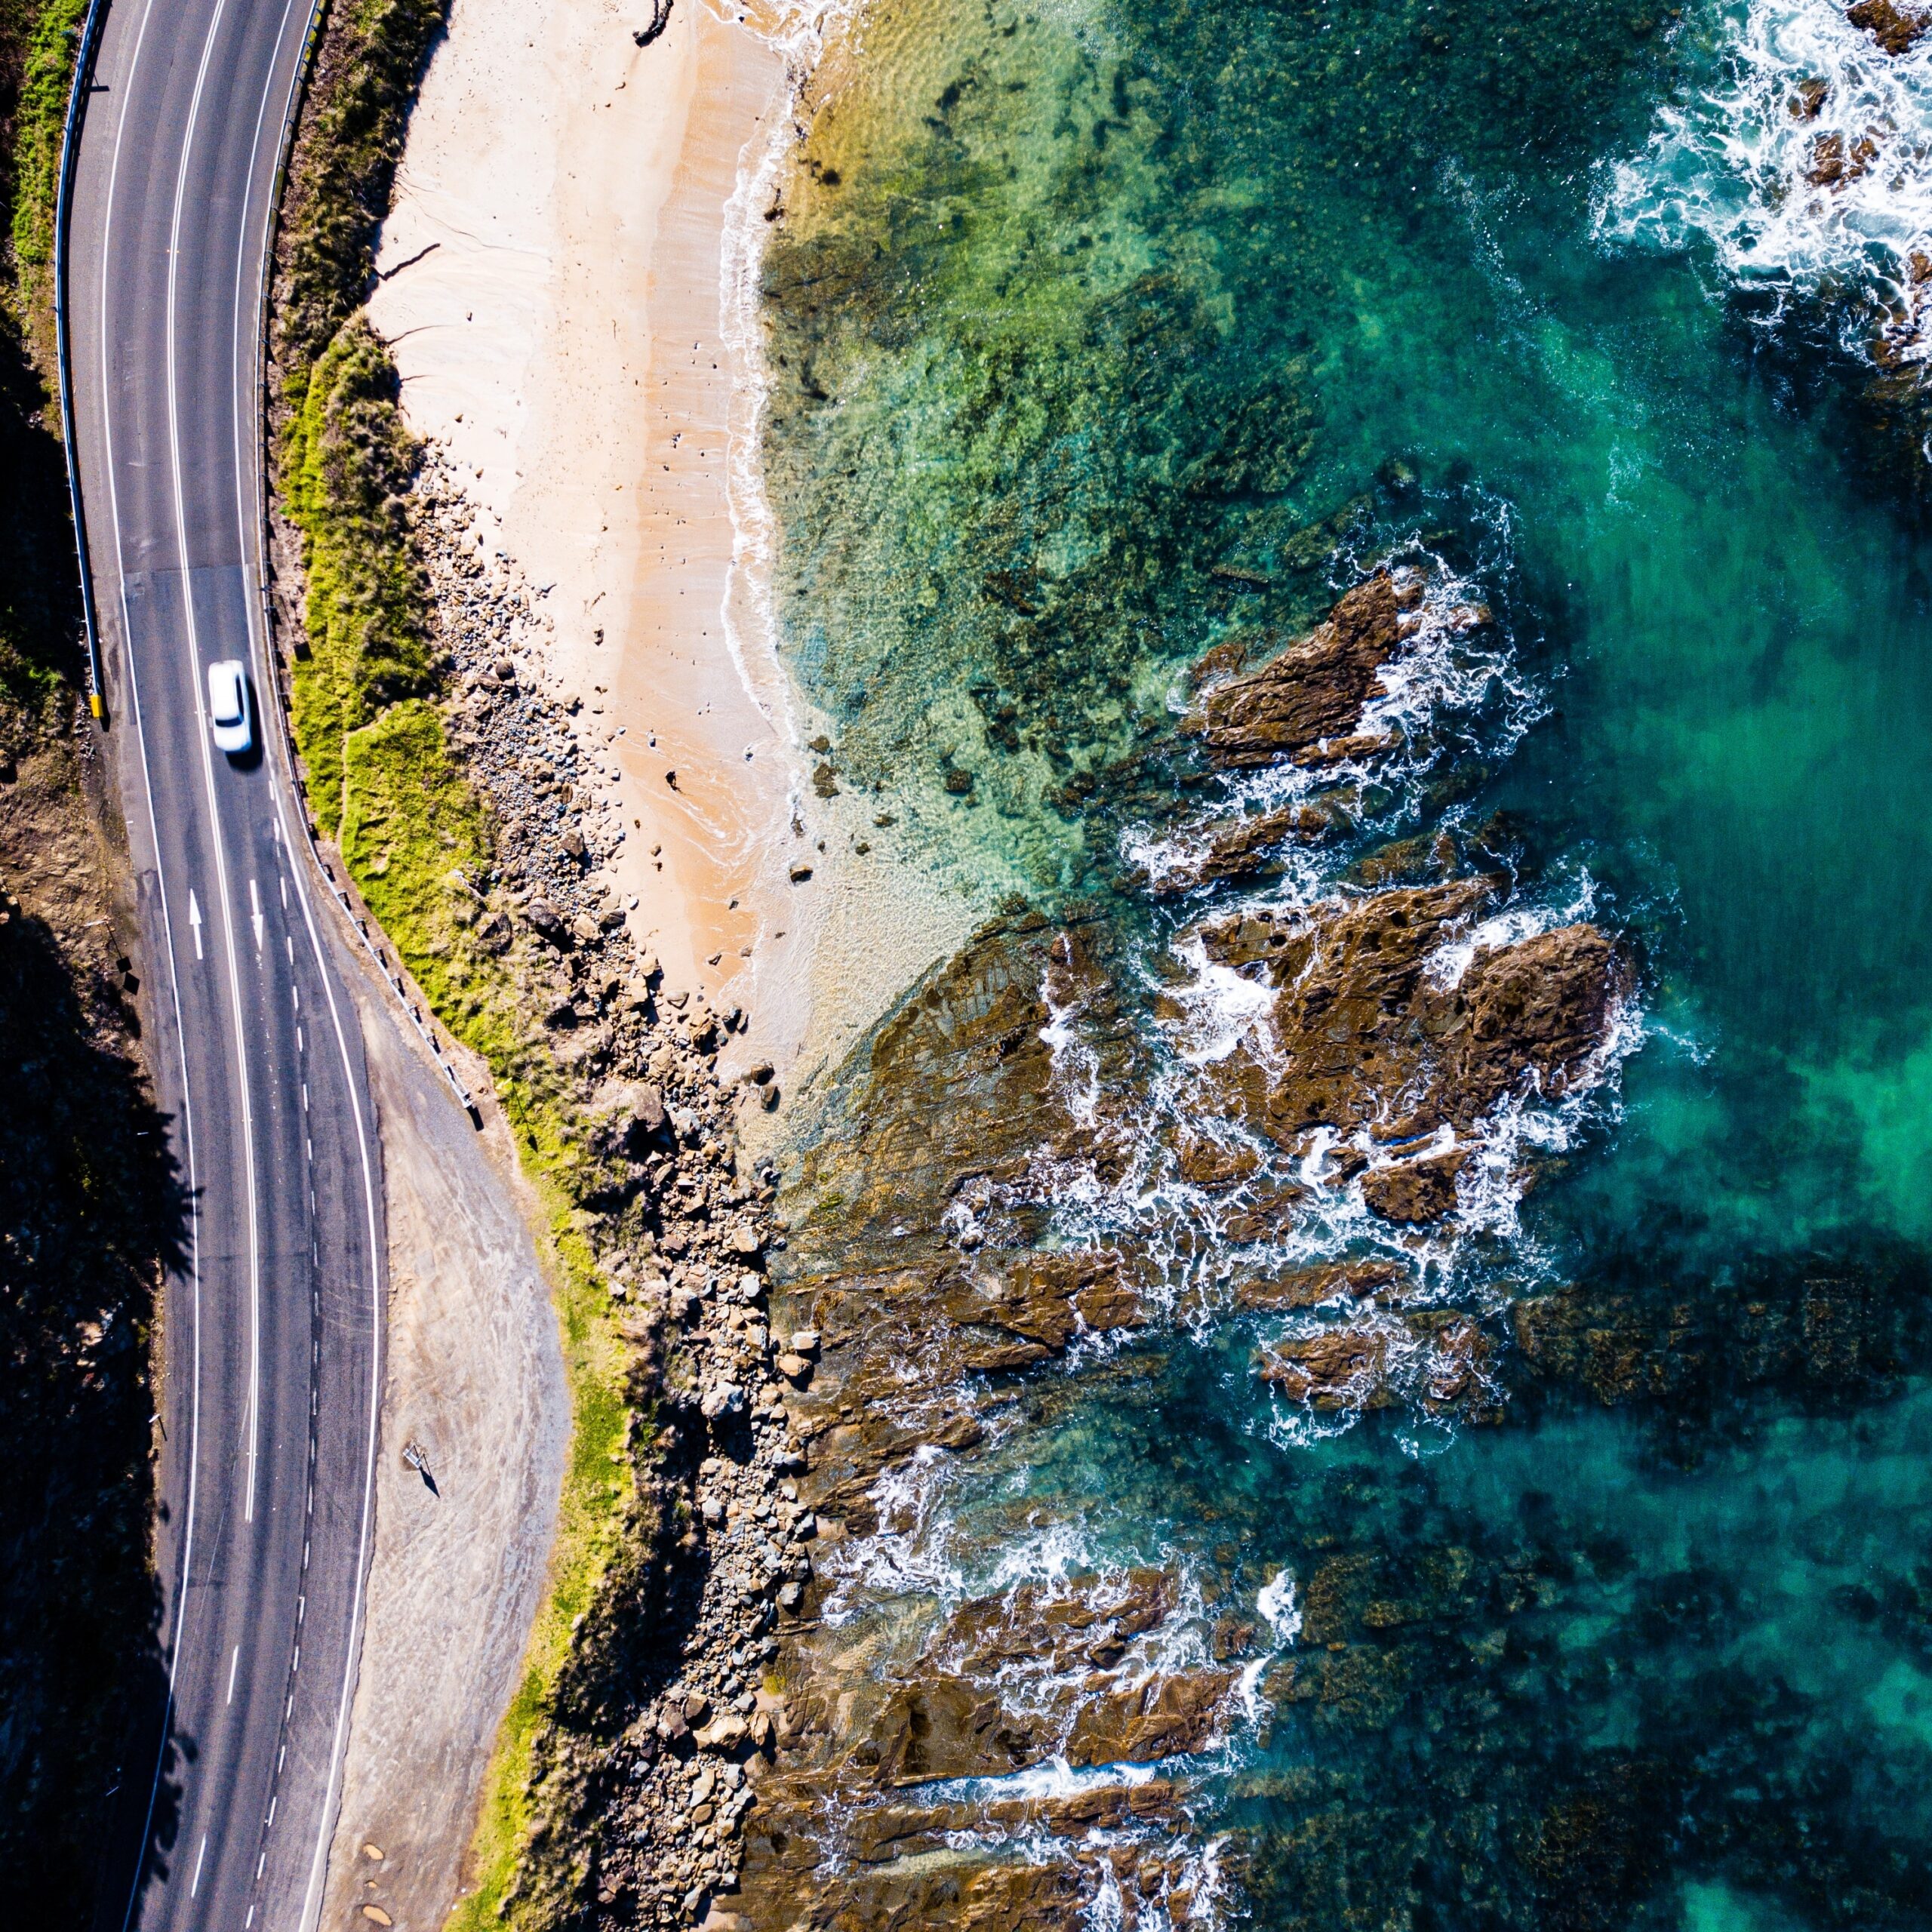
point(349, 464)
point(52, 30)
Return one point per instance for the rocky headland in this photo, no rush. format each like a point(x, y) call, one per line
point(915, 1754)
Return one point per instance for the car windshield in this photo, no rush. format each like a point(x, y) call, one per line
point(227, 697)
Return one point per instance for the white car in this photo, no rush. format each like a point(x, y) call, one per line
point(228, 705)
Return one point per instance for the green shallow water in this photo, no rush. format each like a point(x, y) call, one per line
point(1096, 330)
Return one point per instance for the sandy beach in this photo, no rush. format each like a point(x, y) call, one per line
point(553, 276)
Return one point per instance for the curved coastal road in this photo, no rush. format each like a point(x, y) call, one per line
point(273, 1331)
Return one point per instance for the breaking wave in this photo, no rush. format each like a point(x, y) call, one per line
point(1804, 166)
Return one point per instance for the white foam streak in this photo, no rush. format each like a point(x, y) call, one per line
point(1731, 165)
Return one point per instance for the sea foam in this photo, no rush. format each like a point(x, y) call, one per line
point(1738, 165)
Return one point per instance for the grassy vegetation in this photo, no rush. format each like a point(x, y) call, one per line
point(39, 597)
point(415, 838)
point(413, 834)
point(50, 31)
point(347, 467)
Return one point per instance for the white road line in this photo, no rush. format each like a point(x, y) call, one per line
point(207, 765)
point(174, 972)
point(233, 1660)
point(255, 918)
point(198, 1857)
point(247, 478)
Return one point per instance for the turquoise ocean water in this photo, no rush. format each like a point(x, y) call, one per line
point(1101, 330)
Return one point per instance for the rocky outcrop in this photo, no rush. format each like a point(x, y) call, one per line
point(1895, 30)
point(1304, 703)
point(1368, 1027)
point(922, 1284)
point(1068, 1671)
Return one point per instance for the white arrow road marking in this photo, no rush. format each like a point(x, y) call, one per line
point(195, 921)
point(255, 900)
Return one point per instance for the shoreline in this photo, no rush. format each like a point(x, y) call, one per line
point(570, 289)
point(553, 276)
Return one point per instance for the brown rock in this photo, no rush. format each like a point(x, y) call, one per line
point(1155, 1718)
point(1416, 1190)
point(1309, 1287)
point(1807, 100)
point(1309, 697)
point(1359, 1020)
point(1896, 29)
point(1337, 1368)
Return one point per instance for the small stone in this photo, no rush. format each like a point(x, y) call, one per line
point(744, 1241)
point(725, 1398)
point(696, 1708)
point(804, 1341)
point(800, 873)
point(760, 1074)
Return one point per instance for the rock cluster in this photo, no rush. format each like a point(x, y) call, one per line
point(1012, 1072)
point(718, 1537)
point(746, 1756)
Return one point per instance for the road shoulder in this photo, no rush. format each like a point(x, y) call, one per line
point(475, 1381)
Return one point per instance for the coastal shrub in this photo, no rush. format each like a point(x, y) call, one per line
point(350, 461)
point(39, 600)
point(48, 33)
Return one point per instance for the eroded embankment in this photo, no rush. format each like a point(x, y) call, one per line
point(90, 1208)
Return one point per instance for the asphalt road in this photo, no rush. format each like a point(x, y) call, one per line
point(273, 1332)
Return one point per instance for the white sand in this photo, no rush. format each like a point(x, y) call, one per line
point(568, 292)
point(563, 337)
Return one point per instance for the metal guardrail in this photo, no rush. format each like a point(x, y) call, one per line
point(76, 97)
point(358, 925)
point(62, 200)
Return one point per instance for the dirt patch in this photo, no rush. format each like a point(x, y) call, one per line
point(473, 1385)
